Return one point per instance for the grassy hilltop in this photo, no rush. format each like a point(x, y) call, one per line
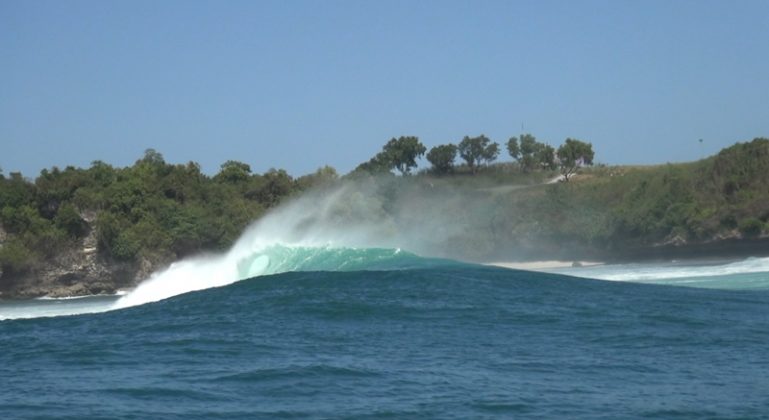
point(718, 205)
point(626, 210)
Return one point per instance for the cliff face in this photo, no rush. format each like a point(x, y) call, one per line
point(78, 271)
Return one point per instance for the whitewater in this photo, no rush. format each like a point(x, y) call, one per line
point(325, 310)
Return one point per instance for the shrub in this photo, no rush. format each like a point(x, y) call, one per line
point(751, 227)
point(68, 219)
point(15, 257)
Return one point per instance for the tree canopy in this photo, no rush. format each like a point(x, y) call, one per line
point(477, 150)
point(442, 158)
point(233, 171)
point(513, 149)
point(149, 210)
point(402, 153)
point(544, 156)
point(573, 154)
point(531, 153)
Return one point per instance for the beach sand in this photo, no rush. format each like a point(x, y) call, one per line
point(544, 265)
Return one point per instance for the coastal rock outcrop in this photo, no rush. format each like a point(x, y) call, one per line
point(78, 271)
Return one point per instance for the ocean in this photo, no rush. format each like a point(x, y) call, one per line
point(324, 332)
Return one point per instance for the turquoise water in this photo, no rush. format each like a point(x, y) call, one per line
point(324, 333)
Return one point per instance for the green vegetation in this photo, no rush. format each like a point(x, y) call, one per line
point(158, 211)
point(479, 153)
point(151, 210)
point(605, 211)
point(442, 158)
point(613, 209)
point(477, 150)
point(400, 154)
point(573, 154)
point(531, 154)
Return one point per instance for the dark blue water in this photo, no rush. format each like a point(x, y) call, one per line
point(441, 342)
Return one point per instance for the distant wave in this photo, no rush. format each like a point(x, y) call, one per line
point(748, 273)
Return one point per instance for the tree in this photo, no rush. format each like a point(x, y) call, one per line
point(322, 176)
point(477, 150)
point(278, 185)
point(152, 157)
point(233, 171)
point(528, 150)
point(15, 191)
point(151, 166)
point(15, 257)
point(442, 158)
point(513, 149)
point(572, 155)
point(545, 156)
point(401, 153)
point(532, 154)
point(69, 220)
point(184, 182)
point(102, 173)
point(490, 153)
point(378, 164)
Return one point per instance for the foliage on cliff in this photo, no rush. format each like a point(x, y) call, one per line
point(151, 209)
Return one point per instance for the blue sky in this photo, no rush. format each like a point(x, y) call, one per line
point(301, 84)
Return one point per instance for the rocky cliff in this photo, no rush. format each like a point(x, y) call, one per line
point(78, 271)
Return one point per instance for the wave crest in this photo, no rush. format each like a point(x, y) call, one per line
point(206, 272)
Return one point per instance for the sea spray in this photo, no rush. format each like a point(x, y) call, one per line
point(366, 213)
point(333, 218)
point(182, 277)
point(317, 231)
point(298, 223)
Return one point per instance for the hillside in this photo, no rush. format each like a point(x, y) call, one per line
point(724, 197)
point(83, 231)
point(713, 206)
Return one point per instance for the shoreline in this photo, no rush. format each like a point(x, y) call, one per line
point(544, 264)
point(550, 265)
point(716, 252)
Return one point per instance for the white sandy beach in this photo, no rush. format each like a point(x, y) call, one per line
point(543, 265)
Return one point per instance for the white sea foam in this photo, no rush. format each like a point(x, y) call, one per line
point(721, 275)
point(37, 308)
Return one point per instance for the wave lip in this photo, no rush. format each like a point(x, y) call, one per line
point(243, 263)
